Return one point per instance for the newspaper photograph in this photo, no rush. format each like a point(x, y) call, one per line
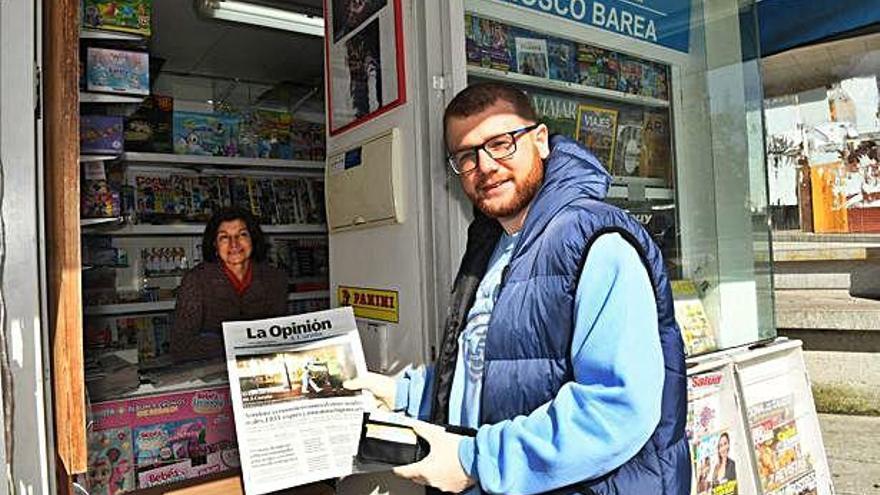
point(295, 423)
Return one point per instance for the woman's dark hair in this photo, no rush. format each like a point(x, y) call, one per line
point(260, 246)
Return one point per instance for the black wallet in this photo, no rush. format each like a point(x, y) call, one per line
point(396, 444)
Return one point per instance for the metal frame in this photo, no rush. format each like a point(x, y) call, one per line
point(25, 364)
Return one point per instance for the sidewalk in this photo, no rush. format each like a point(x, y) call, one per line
point(852, 444)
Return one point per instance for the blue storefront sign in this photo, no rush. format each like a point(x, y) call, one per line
point(661, 22)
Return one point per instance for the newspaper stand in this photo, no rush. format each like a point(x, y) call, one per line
point(777, 402)
point(761, 397)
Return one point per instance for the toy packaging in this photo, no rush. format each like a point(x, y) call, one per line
point(171, 437)
point(149, 128)
point(130, 16)
point(205, 134)
point(100, 134)
point(117, 71)
point(111, 465)
point(307, 140)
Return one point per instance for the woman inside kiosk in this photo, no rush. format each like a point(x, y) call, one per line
point(234, 282)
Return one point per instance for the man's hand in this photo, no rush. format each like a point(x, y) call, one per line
point(441, 468)
point(383, 388)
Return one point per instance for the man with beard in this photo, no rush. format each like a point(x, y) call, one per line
point(560, 346)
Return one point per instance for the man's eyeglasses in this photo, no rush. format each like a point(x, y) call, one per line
point(499, 147)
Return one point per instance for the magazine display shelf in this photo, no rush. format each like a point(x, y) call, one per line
point(196, 229)
point(98, 34)
point(87, 97)
point(165, 306)
point(198, 161)
point(565, 87)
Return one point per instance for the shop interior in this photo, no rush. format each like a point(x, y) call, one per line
point(185, 109)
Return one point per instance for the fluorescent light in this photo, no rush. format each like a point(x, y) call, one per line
point(248, 13)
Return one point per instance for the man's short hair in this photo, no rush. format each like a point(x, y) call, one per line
point(478, 97)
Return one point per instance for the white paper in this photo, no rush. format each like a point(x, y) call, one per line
point(294, 422)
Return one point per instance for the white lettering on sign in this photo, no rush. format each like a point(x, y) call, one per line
point(577, 9)
point(624, 22)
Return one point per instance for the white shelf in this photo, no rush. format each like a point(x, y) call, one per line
point(129, 308)
point(196, 229)
point(99, 34)
point(96, 158)
point(91, 222)
point(303, 296)
point(86, 97)
point(651, 193)
point(219, 161)
point(160, 306)
point(566, 87)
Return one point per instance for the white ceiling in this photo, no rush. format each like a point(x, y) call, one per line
point(191, 44)
point(816, 66)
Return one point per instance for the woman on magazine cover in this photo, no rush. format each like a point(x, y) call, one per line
point(725, 467)
point(233, 282)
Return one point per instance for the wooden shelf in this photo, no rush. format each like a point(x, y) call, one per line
point(129, 308)
point(197, 229)
point(566, 87)
point(87, 97)
point(169, 159)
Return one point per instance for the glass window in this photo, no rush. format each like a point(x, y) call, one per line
point(676, 119)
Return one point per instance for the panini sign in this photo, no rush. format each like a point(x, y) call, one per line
point(372, 304)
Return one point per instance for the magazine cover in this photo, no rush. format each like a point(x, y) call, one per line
point(488, 43)
point(597, 67)
point(656, 155)
point(117, 71)
point(562, 58)
point(715, 433)
point(531, 56)
point(597, 130)
point(174, 436)
point(296, 422)
point(696, 330)
point(630, 79)
point(558, 113)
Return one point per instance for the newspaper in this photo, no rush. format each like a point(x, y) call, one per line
point(294, 422)
point(783, 465)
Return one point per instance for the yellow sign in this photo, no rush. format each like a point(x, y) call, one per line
point(373, 304)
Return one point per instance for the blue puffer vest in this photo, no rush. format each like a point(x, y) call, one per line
point(527, 352)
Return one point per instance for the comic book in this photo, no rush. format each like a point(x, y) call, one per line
point(132, 16)
point(597, 130)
